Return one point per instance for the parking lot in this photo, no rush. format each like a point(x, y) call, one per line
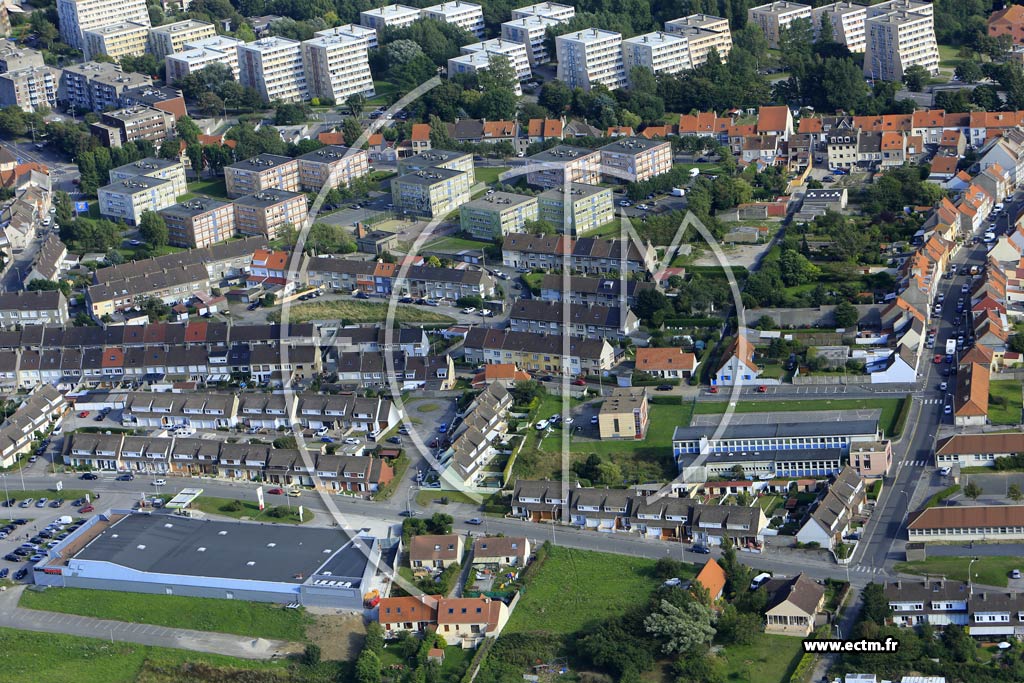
point(28, 532)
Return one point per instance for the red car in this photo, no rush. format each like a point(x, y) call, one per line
point(84, 413)
point(276, 492)
point(86, 508)
point(580, 382)
point(713, 390)
point(762, 389)
point(937, 359)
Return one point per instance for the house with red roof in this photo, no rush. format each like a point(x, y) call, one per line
point(667, 363)
point(737, 364)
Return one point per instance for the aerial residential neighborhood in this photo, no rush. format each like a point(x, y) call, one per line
point(474, 342)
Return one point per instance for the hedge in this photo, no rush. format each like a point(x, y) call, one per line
point(941, 496)
point(693, 322)
point(901, 417)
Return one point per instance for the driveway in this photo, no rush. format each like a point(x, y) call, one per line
point(12, 616)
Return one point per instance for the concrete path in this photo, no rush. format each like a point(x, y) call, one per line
point(12, 616)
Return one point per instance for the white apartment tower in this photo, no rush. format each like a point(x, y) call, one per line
point(351, 31)
point(473, 63)
point(530, 31)
point(201, 53)
point(337, 67)
point(170, 38)
point(273, 66)
point(551, 10)
point(395, 16)
point(465, 15)
point(77, 16)
point(898, 40)
point(590, 57)
point(659, 51)
point(847, 20)
point(703, 33)
point(515, 52)
point(776, 16)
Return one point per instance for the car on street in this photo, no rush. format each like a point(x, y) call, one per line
point(84, 413)
point(294, 493)
point(159, 482)
point(408, 513)
point(663, 387)
point(276, 492)
point(4, 572)
point(713, 390)
point(579, 382)
point(762, 389)
point(89, 476)
point(948, 410)
point(937, 358)
point(86, 509)
point(543, 424)
point(127, 476)
point(20, 574)
point(469, 310)
point(701, 549)
point(395, 439)
point(326, 439)
point(442, 428)
point(25, 503)
point(944, 471)
point(943, 386)
point(475, 521)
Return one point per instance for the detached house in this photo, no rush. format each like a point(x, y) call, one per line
point(830, 520)
point(435, 552)
point(501, 551)
point(738, 365)
point(793, 606)
point(668, 363)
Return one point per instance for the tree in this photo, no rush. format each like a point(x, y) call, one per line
point(968, 71)
point(153, 229)
point(351, 129)
point(846, 315)
point(915, 78)
point(211, 104)
point(187, 129)
point(972, 490)
point(311, 655)
point(1014, 493)
point(682, 627)
point(538, 227)
point(374, 638)
point(555, 96)
point(368, 667)
point(795, 269)
point(498, 82)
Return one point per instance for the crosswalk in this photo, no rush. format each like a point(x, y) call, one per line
point(931, 401)
point(917, 463)
point(868, 570)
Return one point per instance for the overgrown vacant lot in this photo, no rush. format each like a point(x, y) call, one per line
point(358, 312)
point(254, 619)
point(574, 589)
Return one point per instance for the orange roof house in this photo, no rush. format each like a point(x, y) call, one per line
point(499, 130)
point(667, 362)
point(332, 138)
point(544, 128)
point(702, 123)
point(1007, 22)
point(619, 131)
point(712, 578)
point(505, 373)
point(971, 401)
point(420, 132)
point(775, 120)
point(651, 132)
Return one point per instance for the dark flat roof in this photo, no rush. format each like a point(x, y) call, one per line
point(169, 544)
point(268, 197)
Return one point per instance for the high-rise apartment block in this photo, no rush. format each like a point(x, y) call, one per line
point(337, 67)
point(582, 209)
point(126, 39)
point(127, 199)
point(30, 88)
point(394, 16)
point(465, 15)
point(432, 192)
point(635, 159)
point(899, 34)
point(332, 165)
point(474, 63)
point(261, 172)
point(660, 52)
point(703, 33)
point(530, 32)
point(199, 222)
point(95, 86)
point(170, 38)
point(775, 17)
point(558, 165)
point(196, 56)
point(351, 31)
point(847, 21)
point(274, 67)
point(78, 16)
point(152, 167)
point(266, 213)
point(590, 57)
point(551, 10)
point(514, 51)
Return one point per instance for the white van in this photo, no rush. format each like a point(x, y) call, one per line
point(759, 580)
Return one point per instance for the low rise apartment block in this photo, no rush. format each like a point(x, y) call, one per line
point(170, 38)
point(337, 67)
point(847, 21)
point(590, 57)
point(14, 57)
point(624, 414)
point(561, 164)
point(552, 10)
point(153, 167)
point(636, 159)
point(267, 212)
point(115, 128)
point(127, 199)
point(466, 15)
point(514, 51)
point(274, 68)
point(31, 88)
point(530, 31)
point(432, 192)
point(439, 158)
point(126, 39)
point(775, 17)
point(498, 214)
point(199, 222)
point(580, 210)
point(262, 172)
point(395, 16)
point(332, 165)
point(201, 53)
point(96, 86)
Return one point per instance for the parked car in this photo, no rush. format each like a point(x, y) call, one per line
point(543, 424)
point(41, 503)
point(89, 476)
point(759, 580)
point(84, 413)
point(594, 420)
point(87, 509)
point(700, 549)
point(159, 482)
point(1015, 574)
point(395, 439)
point(944, 471)
point(762, 389)
point(579, 382)
point(663, 387)
point(276, 492)
point(25, 503)
point(476, 521)
point(20, 574)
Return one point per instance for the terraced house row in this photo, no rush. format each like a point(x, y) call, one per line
point(190, 457)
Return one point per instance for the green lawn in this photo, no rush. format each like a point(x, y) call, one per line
point(575, 589)
point(209, 188)
point(51, 494)
point(989, 570)
point(55, 658)
point(890, 407)
point(428, 496)
point(250, 510)
point(609, 229)
point(948, 56)
point(359, 312)
point(451, 245)
point(256, 619)
point(769, 504)
point(1010, 412)
point(767, 659)
point(489, 174)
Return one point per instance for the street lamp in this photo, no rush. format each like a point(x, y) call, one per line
point(7, 497)
point(970, 583)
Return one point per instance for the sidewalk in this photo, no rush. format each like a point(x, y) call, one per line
point(242, 647)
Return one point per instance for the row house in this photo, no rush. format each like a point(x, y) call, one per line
point(284, 364)
point(373, 339)
point(483, 423)
point(373, 416)
point(937, 602)
point(201, 411)
point(408, 373)
point(589, 255)
point(369, 277)
point(583, 321)
point(539, 352)
point(445, 283)
point(265, 411)
point(145, 455)
point(588, 291)
point(34, 415)
point(465, 622)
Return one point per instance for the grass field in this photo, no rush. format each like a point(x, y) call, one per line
point(489, 174)
point(574, 589)
point(768, 658)
point(428, 496)
point(54, 658)
point(208, 188)
point(250, 510)
point(988, 570)
point(890, 407)
point(359, 312)
point(1010, 412)
point(50, 494)
point(452, 245)
point(948, 56)
point(256, 619)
